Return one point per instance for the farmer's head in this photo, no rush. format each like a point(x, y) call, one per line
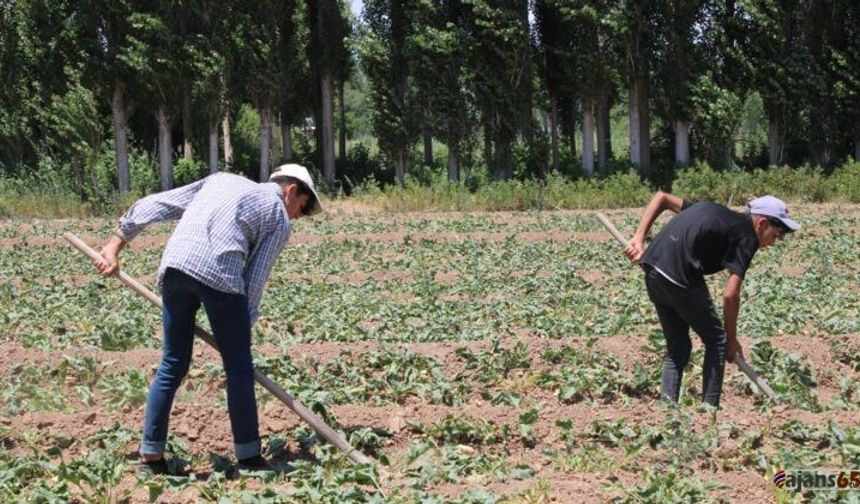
point(300, 196)
point(770, 220)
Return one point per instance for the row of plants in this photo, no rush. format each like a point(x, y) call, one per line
point(514, 325)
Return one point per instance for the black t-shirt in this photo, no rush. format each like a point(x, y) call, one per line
point(702, 239)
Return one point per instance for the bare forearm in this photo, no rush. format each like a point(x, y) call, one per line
point(108, 263)
point(731, 308)
point(658, 204)
point(115, 243)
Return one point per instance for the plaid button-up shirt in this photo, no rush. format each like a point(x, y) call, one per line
point(229, 235)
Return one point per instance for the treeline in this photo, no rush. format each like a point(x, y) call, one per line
point(509, 85)
point(162, 74)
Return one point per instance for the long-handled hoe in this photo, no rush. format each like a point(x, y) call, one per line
point(742, 364)
point(285, 397)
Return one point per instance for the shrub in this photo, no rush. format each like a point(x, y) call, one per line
point(844, 184)
point(360, 169)
point(736, 187)
point(186, 171)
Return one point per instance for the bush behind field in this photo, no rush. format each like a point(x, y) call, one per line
point(556, 192)
point(804, 184)
point(48, 194)
point(621, 189)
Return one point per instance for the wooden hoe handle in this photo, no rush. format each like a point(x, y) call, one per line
point(285, 397)
point(742, 364)
point(754, 376)
point(611, 228)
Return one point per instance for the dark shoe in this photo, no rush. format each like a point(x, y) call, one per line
point(149, 468)
point(257, 463)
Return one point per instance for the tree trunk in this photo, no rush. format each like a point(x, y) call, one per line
point(15, 153)
point(607, 127)
point(682, 143)
point(502, 163)
point(604, 145)
point(588, 139)
point(286, 142)
point(123, 175)
point(400, 166)
point(327, 128)
point(488, 149)
point(453, 166)
point(857, 138)
point(774, 143)
point(342, 129)
point(426, 133)
point(213, 147)
point(725, 155)
point(165, 157)
point(186, 126)
point(635, 150)
point(553, 130)
point(265, 141)
point(571, 131)
point(640, 125)
point(428, 148)
point(228, 142)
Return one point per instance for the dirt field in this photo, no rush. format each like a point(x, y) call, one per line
point(478, 357)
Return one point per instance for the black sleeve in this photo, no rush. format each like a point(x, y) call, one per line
point(687, 204)
point(739, 256)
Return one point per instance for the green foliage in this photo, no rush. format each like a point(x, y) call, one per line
point(384, 56)
point(844, 184)
point(496, 363)
point(186, 171)
point(30, 478)
point(790, 378)
point(579, 375)
point(458, 430)
point(246, 141)
point(360, 170)
point(527, 426)
point(716, 115)
point(97, 476)
point(126, 390)
point(737, 187)
point(27, 390)
point(618, 190)
point(667, 487)
point(451, 320)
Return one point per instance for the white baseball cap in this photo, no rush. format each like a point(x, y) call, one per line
point(770, 206)
point(301, 174)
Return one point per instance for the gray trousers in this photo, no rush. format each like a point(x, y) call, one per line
point(679, 309)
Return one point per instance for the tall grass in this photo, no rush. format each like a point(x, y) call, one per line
point(49, 197)
point(557, 192)
point(624, 189)
point(804, 184)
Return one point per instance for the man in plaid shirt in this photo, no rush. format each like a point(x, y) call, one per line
point(229, 235)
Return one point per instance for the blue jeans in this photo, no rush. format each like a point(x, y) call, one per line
point(231, 327)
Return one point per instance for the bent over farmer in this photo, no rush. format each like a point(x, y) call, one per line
point(702, 239)
point(229, 235)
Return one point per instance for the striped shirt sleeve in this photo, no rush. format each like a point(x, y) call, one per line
point(259, 267)
point(158, 207)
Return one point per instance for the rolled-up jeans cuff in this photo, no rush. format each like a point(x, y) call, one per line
point(152, 447)
point(247, 450)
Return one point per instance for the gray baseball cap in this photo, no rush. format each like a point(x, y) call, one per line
point(770, 206)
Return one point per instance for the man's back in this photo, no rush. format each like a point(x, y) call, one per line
point(222, 224)
point(702, 239)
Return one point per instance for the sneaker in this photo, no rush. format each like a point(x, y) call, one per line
point(257, 463)
point(149, 468)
